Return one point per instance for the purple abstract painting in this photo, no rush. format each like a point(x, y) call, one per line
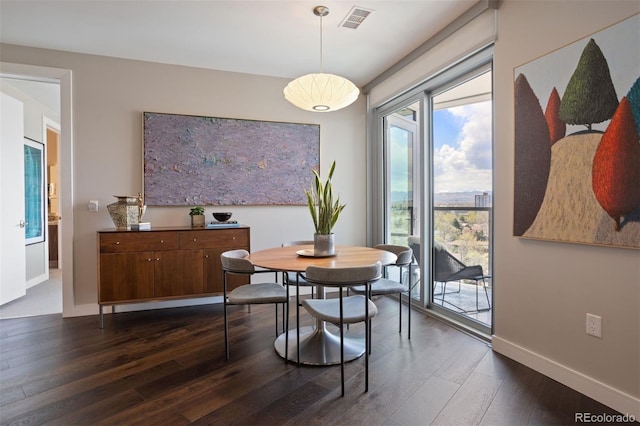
point(192, 160)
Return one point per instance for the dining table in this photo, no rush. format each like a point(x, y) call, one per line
point(318, 345)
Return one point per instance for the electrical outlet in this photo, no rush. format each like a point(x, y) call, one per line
point(93, 205)
point(594, 325)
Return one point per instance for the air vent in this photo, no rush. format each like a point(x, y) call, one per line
point(355, 17)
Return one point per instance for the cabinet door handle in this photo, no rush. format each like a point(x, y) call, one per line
point(195, 239)
point(161, 241)
point(206, 256)
point(117, 243)
point(149, 260)
point(157, 259)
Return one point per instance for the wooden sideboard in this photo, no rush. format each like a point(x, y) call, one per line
point(164, 263)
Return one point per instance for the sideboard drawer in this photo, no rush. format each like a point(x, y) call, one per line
point(218, 238)
point(127, 242)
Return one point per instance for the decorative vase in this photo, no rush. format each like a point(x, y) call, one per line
point(197, 221)
point(126, 211)
point(323, 245)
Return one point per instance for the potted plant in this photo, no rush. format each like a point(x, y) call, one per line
point(197, 217)
point(325, 212)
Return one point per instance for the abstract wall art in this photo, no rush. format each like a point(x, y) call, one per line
point(195, 160)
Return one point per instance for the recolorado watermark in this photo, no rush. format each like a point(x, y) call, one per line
point(603, 418)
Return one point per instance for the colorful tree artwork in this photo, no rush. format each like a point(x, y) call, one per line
point(585, 187)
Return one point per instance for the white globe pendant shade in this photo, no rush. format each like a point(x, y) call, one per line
point(321, 92)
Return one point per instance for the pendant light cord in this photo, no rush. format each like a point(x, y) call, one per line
point(321, 44)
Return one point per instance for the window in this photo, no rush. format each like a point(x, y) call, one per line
point(437, 185)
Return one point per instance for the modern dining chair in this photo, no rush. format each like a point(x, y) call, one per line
point(345, 310)
point(448, 268)
point(386, 286)
point(298, 280)
point(236, 262)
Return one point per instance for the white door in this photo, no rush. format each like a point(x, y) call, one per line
point(12, 235)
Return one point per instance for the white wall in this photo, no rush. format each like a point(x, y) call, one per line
point(544, 289)
point(109, 96)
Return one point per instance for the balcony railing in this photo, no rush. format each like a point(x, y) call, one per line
point(467, 234)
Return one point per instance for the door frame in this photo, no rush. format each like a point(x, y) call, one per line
point(64, 78)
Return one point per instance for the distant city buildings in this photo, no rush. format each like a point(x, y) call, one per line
point(483, 200)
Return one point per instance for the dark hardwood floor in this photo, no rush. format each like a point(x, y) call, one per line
point(167, 367)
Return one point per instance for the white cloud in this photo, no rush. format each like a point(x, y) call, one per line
point(467, 165)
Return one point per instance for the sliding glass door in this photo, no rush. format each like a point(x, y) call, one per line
point(461, 197)
point(438, 190)
point(402, 150)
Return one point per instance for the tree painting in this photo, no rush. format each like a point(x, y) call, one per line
point(557, 127)
point(533, 156)
point(616, 166)
point(577, 165)
point(590, 96)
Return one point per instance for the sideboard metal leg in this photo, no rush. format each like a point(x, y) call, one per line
point(101, 318)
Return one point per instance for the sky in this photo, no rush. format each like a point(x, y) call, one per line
point(462, 148)
point(461, 152)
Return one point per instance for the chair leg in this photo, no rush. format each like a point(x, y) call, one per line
point(224, 308)
point(409, 313)
point(342, 344)
point(297, 319)
point(276, 319)
point(226, 332)
point(368, 323)
point(286, 330)
point(399, 312)
point(367, 338)
point(484, 285)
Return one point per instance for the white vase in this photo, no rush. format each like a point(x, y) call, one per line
point(323, 245)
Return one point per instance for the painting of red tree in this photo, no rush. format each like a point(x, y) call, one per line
point(616, 166)
point(557, 127)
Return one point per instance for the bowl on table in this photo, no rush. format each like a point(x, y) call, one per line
point(222, 216)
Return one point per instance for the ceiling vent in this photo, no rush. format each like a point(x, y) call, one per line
point(355, 17)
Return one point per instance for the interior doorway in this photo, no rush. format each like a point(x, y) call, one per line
point(55, 294)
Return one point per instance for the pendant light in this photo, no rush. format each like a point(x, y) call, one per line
point(321, 92)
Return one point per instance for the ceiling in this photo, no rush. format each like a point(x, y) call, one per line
point(273, 38)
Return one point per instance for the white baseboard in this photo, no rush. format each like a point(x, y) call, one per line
point(94, 309)
point(37, 280)
point(601, 392)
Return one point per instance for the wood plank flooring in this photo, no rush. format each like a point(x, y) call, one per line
point(167, 367)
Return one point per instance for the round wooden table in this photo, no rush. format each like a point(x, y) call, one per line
point(318, 346)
